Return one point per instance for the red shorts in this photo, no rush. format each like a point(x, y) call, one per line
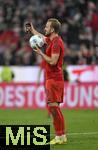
point(54, 91)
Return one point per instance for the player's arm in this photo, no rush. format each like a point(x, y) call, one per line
point(30, 28)
point(51, 60)
point(55, 50)
point(34, 31)
point(55, 53)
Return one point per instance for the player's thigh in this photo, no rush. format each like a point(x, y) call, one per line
point(54, 91)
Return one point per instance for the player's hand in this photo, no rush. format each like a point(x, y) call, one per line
point(37, 50)
point(32, 27)
point(27, 27)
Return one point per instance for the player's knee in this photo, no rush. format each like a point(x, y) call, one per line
point(53, 104)
point(52, 110)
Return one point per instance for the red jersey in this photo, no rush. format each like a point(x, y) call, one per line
point(42, 64)
point(56, 46)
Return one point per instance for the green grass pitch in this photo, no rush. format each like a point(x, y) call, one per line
point(82, 126)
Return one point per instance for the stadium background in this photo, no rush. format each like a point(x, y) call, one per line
point(20, 96)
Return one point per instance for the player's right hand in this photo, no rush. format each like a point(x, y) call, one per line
point(28, 27)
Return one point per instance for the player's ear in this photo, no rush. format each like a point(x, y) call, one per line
point(52, 30)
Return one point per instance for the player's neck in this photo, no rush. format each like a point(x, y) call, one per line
point(53, 35)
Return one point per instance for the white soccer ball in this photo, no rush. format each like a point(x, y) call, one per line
point(36, 40)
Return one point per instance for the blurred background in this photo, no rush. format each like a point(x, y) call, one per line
point(79, 30)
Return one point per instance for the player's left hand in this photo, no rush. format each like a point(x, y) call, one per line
point(37, 50)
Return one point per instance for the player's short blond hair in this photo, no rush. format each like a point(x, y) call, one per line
point(55, 24)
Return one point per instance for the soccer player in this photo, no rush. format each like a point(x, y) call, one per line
point(54, 83)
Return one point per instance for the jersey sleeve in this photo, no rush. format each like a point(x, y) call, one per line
point(42, 64)
point(56, 47)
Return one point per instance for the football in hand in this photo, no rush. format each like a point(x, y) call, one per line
point(36, 40)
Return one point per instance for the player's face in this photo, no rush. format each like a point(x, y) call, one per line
point(48, 30)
